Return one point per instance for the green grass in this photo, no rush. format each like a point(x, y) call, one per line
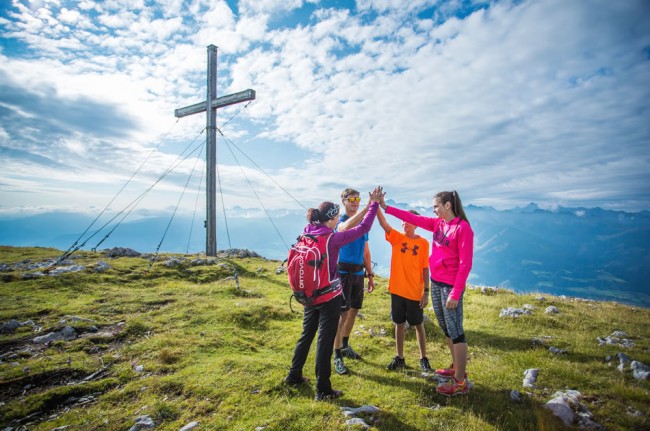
point(217, 354)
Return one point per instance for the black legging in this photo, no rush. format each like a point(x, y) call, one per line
point(323, 318)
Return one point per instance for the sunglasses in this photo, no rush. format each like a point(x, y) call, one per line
point(355, 199)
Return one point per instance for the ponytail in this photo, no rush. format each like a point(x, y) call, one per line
point(456, 204)
point(313, 215)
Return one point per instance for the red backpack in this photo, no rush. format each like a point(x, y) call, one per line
point(308, 269)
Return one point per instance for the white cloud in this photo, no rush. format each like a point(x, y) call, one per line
point(517, 102)
point(255, 7)
point(69, 16)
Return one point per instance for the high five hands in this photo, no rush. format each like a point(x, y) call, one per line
point(377, 195)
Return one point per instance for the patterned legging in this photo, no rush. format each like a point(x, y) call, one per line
point(450, 320)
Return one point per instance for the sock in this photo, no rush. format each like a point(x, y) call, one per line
point(345, 342)
point(337, 353)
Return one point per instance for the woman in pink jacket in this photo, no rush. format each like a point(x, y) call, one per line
point(449, 265)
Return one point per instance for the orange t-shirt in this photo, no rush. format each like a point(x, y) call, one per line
point(409, 257)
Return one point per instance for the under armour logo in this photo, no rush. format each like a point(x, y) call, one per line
point(405, 247)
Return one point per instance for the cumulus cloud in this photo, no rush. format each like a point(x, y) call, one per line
point(507, 102)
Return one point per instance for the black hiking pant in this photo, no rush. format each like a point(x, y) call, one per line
point(323, 318)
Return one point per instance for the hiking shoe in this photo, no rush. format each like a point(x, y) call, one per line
point(396, 363)
point(348, 352)
point(339, 366)
point(453, 388)
point(446, 372)
point(291, 382)
point(324, 396)
point(424, 365)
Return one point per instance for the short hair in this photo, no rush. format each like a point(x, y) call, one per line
point(347, 192)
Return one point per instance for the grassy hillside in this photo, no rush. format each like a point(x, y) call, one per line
point(184, 344)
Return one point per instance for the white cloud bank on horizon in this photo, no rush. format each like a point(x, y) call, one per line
point(509, 102)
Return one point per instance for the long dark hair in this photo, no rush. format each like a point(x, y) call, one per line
point(456, 204)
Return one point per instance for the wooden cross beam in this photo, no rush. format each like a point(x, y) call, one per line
point(210, 106)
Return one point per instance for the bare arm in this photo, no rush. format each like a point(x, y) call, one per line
point(367, 262)
point(375, 196)
point(354, 220)
point(425, 295)
point(382, 221)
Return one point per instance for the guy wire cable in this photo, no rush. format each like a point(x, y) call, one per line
point(189, 177)
point(68, 253)
point(261, 170)
point(137, 200)
point(196, 204)
point(256, 195)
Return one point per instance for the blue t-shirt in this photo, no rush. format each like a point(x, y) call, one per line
point(353, 252)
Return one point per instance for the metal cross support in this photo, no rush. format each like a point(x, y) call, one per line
point(210, 106)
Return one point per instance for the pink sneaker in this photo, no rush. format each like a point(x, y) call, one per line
point(446, 372)
point(453, 388)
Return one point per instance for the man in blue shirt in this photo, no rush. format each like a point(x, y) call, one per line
point(354, 261)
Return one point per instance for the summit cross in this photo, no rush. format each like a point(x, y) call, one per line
point(210, 106)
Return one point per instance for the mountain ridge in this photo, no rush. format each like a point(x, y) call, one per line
point(584, 252)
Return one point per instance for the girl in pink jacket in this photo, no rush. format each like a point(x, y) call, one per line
point(450, 262)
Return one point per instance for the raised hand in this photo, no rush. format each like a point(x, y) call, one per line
point(382, 202)
point(376, 194)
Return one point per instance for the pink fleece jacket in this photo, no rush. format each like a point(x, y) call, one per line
point(452, 248)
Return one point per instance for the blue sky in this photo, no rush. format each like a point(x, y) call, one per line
point(508, 102)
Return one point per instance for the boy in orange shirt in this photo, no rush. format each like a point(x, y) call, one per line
point(409, 287)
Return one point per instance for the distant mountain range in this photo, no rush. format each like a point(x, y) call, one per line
point(582, 252)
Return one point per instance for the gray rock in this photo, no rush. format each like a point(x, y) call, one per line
point(515, 396)
point(143, 422)
point(623, 358)
point(551, 310)
point(102, 266)
point(556, 350)
point(353, 411)
point(530, 377)
point(513, 312)
point(561, 409)
point(173, 262)
point(487, 290)
point(634, 412)
point(203, 262)
point(190, 426)
point(236, 252)
point(122, 252)
point(611, 340)
point(10, 326)
point(47, 338)
point(640, 371)
point(66, 319)
point(586, 423)
point(67, 333)
point(540, 341)
point(66, 269)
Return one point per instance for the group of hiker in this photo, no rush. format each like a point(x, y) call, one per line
point(332, 311)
